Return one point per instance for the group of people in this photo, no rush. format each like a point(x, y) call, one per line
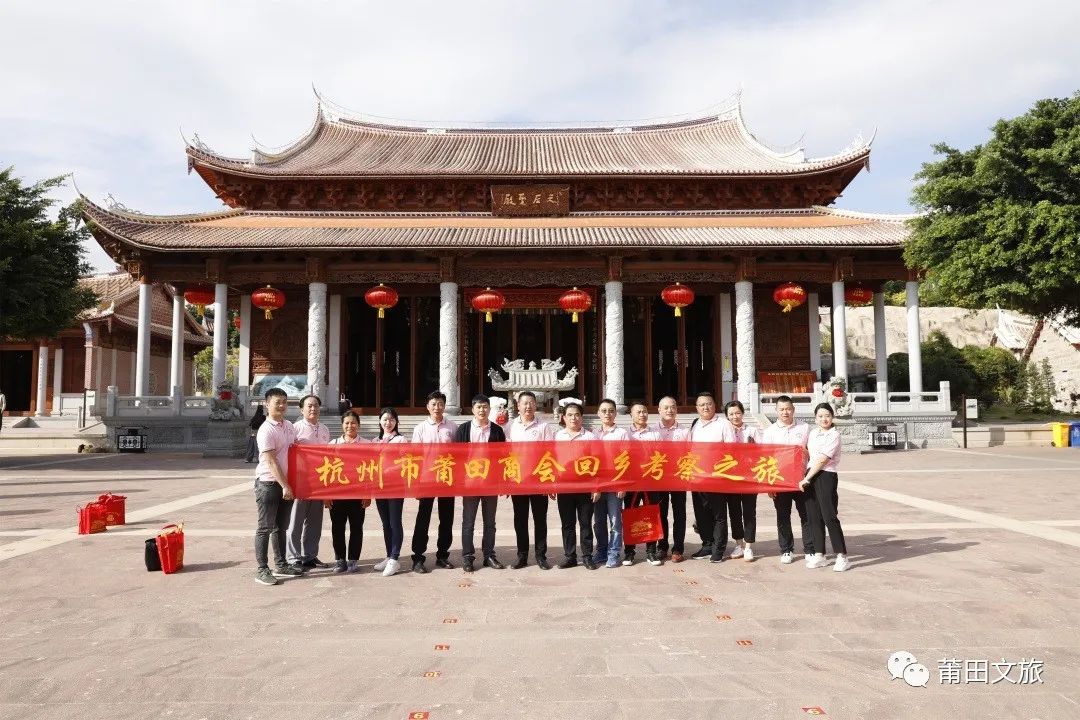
point(293, 528)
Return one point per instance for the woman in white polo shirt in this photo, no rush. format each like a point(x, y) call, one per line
point(820, 483)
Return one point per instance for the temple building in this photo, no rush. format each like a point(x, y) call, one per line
point(439, 214)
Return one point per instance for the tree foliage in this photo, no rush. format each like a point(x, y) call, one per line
point(1001, 221)
point(41, 259)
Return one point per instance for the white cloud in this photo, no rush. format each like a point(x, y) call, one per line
point(104, 87)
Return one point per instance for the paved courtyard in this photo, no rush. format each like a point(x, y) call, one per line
point(965, 555)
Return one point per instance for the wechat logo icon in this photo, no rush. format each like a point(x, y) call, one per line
point(903, 665)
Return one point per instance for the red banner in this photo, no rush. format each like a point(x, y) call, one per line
point(376, 470)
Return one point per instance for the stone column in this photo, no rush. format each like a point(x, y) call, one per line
point(815, 333)
point(914, 339)
point(614, 386)
point(42, 379)
point(112, 366)
point(243, 370)
point(727, 367)
point(839, 330)
point(58, 380)
point(333, 385)
point(142, 341)
point(221, 336)
point(316, 340)
point(448, 346)
point(176, 355)
point(744, 340)
point(881, 353)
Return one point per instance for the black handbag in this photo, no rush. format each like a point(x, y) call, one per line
point(151, 557)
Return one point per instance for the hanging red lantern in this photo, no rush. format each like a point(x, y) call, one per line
point(488, 302)
point(858, 295)
point(236, 321)
point(575, 301)
point(382, 298)
point(789, 296)
point(268, 299)
point(200, 296)
point(677, 296)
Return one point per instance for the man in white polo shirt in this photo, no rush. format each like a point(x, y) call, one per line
point(434, 429)
point(273, 495)
point(709, 427)
point(526, 427)
point(669, 430)
point(789, 431)
point(305, 525)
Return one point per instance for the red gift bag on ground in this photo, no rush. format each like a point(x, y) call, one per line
point(91, 518)
point(114, 508)
point(170, 545)
point(641, 524)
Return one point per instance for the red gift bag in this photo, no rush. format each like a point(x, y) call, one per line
point(114, 508)
point(91, 518)
point(170, 545)
point(641, 524)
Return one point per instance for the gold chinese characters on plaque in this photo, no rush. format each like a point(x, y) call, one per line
point(518, 200)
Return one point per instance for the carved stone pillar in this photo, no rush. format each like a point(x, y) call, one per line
point(316, 347)
point(881, 356)
point(448, 346)
point(839, 332)
point(176, 355)
point(744, 340)
point(614, 379)
point(58, 380)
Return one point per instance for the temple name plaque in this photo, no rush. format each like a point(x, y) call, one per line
point(530, 200)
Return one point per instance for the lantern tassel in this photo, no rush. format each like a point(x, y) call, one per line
point(487, 317)
point(381, 313)
point(575, 317)
point(678, 312)
point(269, 315)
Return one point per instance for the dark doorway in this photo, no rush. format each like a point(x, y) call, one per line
point(16, 372)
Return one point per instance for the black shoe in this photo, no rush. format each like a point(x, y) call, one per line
point(702, 553)
point(341, 566)
point(568, 563)
point(653, 558)
point(493, 562)
point(589, 564)
point(716, 558)
point(468, 566)
point(628, 558)
point(299, 567)
point(419, 567)
point(287, 571)
point(543, 564)
point(522, 561)
point(445, 564)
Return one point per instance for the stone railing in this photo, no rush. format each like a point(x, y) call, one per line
point(879, 402)
point(133, 406)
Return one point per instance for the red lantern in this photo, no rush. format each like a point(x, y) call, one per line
point(789, 296)
point(381, 298)
point(236, 322)
point(488, 302)
point(858, 295)
point(677, 296)
point(268, 299)
point(200, 296)
point(575, 301)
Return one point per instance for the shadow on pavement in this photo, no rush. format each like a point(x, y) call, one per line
point(878, 549)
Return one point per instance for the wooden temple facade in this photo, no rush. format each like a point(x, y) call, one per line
point(440, 213)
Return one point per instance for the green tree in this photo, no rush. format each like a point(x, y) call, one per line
point(1000, 222)
point(41, 259)
point(995, 369)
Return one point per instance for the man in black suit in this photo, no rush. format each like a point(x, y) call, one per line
point(479, 429)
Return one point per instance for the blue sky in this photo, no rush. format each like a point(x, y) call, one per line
point(106, 87)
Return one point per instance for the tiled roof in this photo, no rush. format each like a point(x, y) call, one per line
point(717, 145)
point(118, 300)
point(240, 229)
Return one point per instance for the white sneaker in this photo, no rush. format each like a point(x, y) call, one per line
point(787, 558)
point(381, 565)
point(842, 563)
point(392, 567)
point(815, 561)
point(737, 552)
point(748, 553)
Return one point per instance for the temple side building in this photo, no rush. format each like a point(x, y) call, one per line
point(439, 214)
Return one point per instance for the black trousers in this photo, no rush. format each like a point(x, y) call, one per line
point(677, 536)
point(252, 449)
point(718, 505)
point(704, 518)
point(273, 523)
point(539, 505)
point(742, 509)
point(469, 506)
point(351, 512)
point(423, 523)
point(576, 507)
point(822, 507)
point(633, 500)
point(783, 502)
